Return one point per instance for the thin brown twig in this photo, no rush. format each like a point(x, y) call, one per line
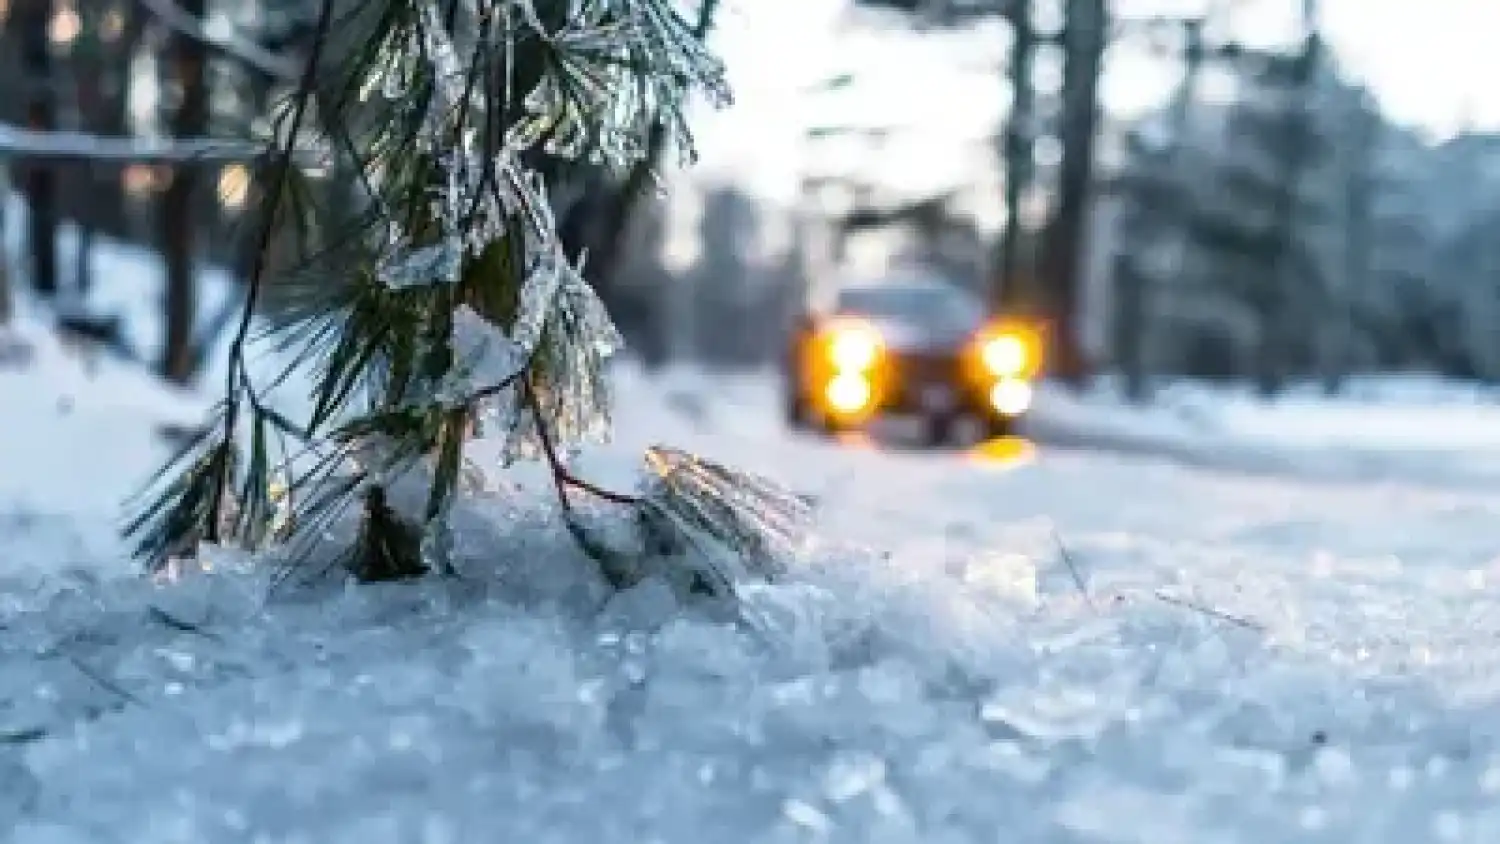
point(553, 461)
point(498, 387)
point(598, 491)
point(561, 477)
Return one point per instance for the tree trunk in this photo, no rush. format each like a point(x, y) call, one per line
point(1130, 320)
point(1134, 287)
point(1017, 155)
point(7, 308)
point(1358, 246)
point(1270, 356)
point(177, 224)
point(39, 180)
point(100, 76)
point(1067, 233)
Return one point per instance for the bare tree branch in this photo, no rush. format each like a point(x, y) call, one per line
point(242, 49)
point(83, 147)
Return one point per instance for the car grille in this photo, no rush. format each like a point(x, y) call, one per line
point(927, 368)
point(914, 374)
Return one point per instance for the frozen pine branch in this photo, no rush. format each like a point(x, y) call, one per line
point(440, 304)
point(741, 527)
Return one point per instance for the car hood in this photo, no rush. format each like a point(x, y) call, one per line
point(908, 336)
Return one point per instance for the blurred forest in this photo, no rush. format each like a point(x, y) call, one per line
point(1283, 233)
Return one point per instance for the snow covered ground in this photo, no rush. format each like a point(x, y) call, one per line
point(1409, 427)
point(1246, 659)
point(1009, 643)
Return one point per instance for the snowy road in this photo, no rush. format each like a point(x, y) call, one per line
point(1009, 644)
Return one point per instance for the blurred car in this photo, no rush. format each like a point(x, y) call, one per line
point(910, 345)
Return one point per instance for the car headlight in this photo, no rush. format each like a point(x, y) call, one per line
point(848, 393)
point(854, 348)
point(1006, 355)
point(1011, 396)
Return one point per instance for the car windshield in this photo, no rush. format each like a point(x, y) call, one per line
point(938, 306)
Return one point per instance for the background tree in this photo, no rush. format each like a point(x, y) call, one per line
point(104, 177)
point(1236, 216)
point(1065, 241)
point(1014, 279)
point(190, 119)
point(1154, 190)
point(30, 20)
point(723, 292)
point(1358, 140)
point(1051, 282)
point(1291, 136)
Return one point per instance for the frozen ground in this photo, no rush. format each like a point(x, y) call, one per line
point(1010, 643)
point(1247, 658)
point(1416, 428)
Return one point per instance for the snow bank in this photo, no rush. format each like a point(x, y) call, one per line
point(77, 435)
point(128, 282)
point(1403, 428)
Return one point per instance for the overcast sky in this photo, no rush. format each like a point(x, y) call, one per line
point(1437, 69)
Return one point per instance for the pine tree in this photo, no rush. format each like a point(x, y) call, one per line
point(443, 307)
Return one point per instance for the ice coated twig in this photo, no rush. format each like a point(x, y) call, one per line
point(102, 681)
point(1221, 615)
point(745, 525)
point(1073, 570)
point(166, 619)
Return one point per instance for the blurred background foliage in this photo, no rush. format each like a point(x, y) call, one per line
point(1260, 220)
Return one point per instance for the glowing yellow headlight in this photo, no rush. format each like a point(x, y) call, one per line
point(1006, 355)
point(1010, 396)
point(848, 393)
point(854, 348)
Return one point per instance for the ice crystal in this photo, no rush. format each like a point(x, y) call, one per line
point(740, 527)
point(405, 267)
